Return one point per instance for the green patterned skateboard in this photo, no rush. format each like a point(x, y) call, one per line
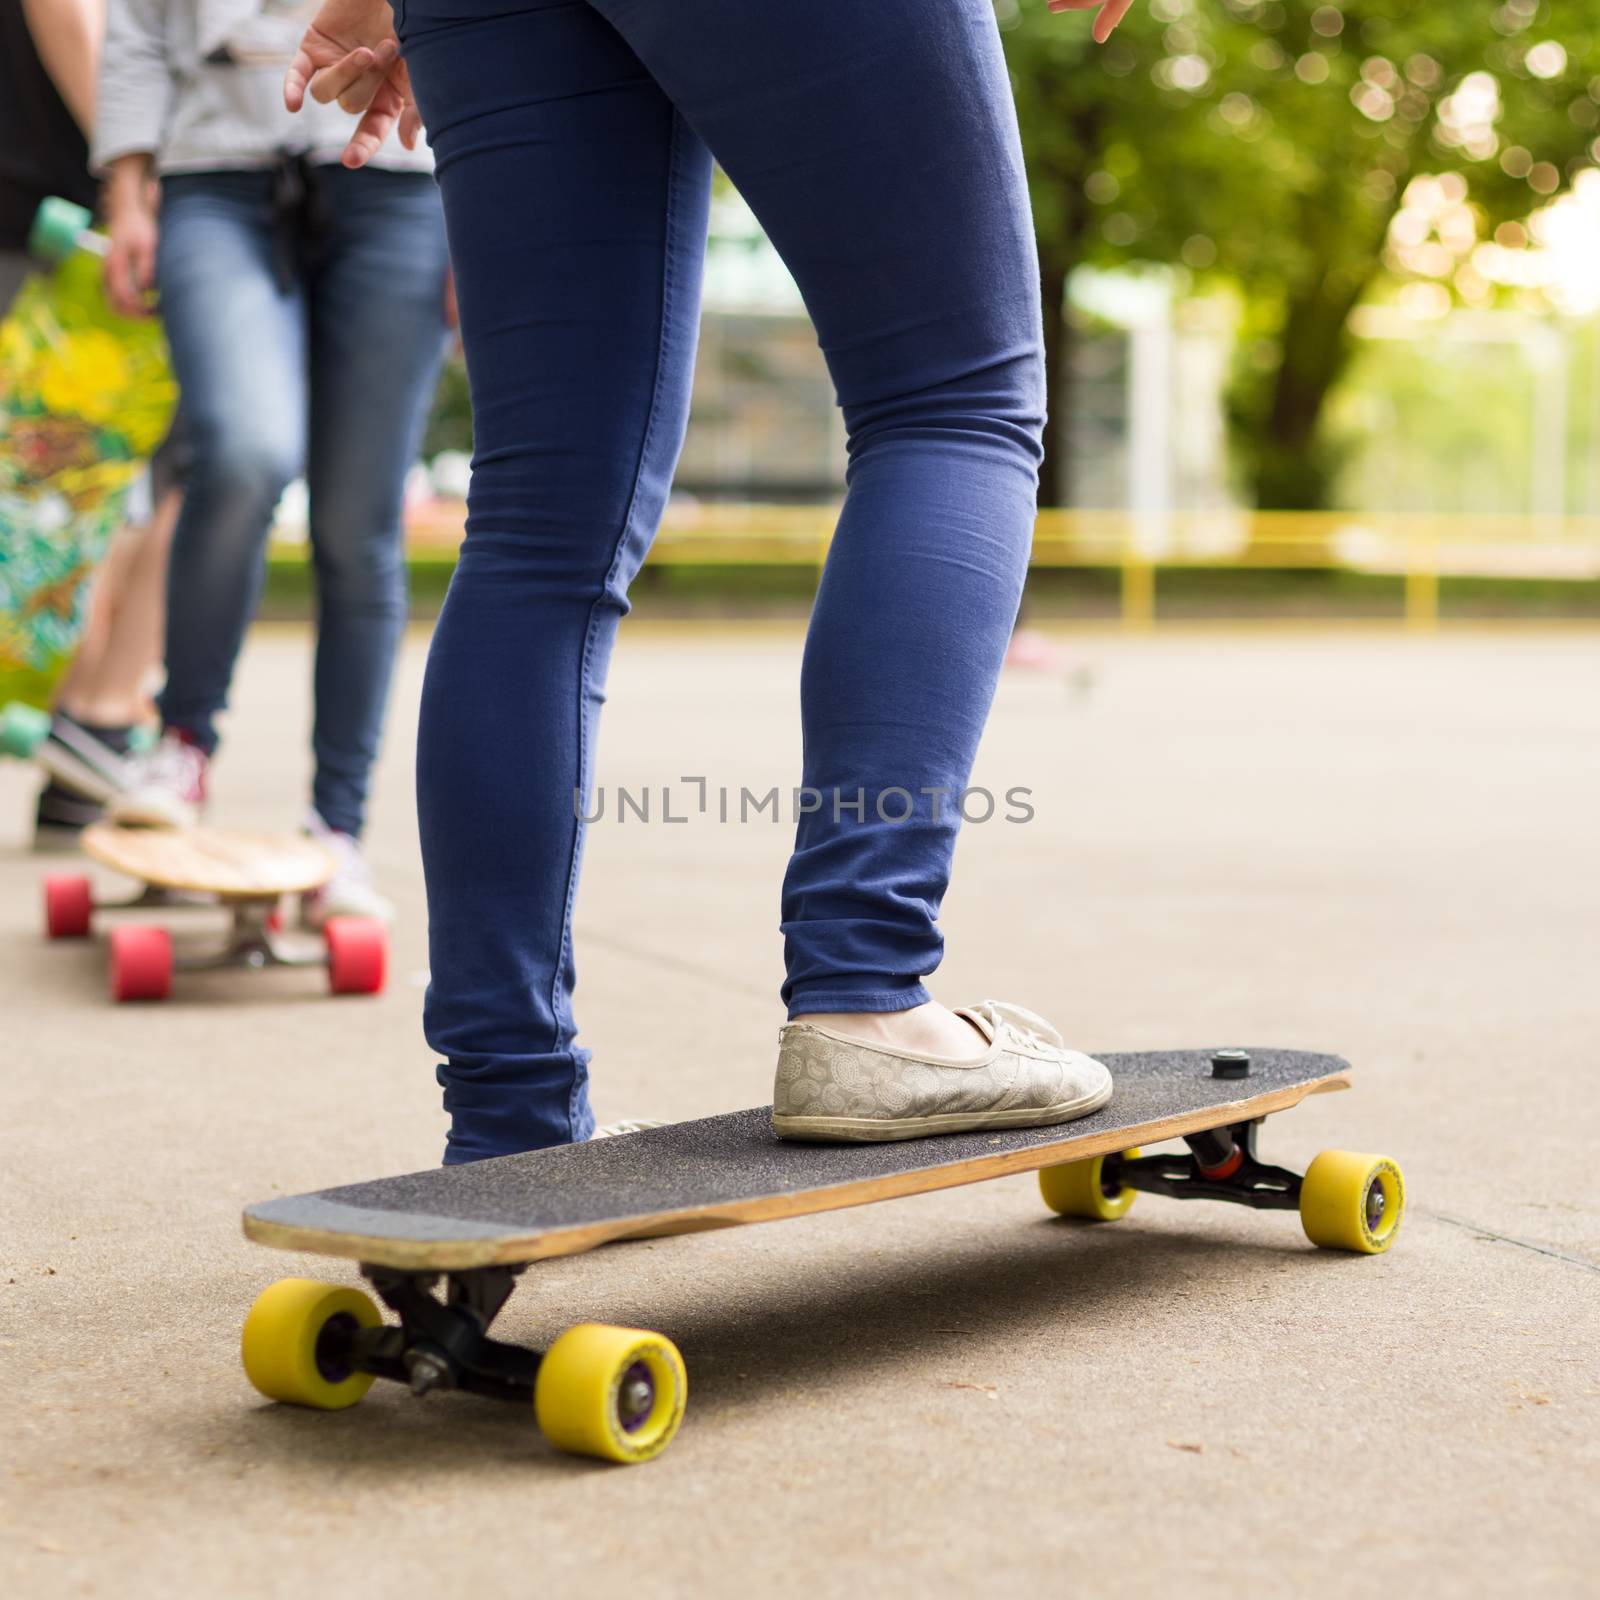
point(85, 398)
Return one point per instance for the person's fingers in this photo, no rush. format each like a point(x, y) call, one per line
point(373, 128)
point(360, 94)
point(400, 77)
point(410, 117)
point(129, 271)
point(116, 279)
point(392, 105)
point(354, 76)
point(1111, 13)
point(329, 82)
point(119, 279)
point(364, 143)
point(297, 77)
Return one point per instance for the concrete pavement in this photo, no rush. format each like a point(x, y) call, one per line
point(1375, 845)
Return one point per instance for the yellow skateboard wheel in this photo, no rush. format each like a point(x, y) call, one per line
point(616, 1393)
point(281, 1342)
point(1078, 1189)
point(1352, 1202)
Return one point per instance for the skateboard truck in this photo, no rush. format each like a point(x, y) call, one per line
point(439, 1343)
point(143, 956)
point(251, 942)
point(1222, 1164)
point(616, 1393)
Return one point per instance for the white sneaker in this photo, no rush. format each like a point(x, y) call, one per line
point(77, 760)
point(166, 786)
point(350, 891)
point(830, 1087)
point(613, 1130)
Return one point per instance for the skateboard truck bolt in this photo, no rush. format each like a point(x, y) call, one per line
point(637, 1397)
point(428, 1370)
point(1230, 1064)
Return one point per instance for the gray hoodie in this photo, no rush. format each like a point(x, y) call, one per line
point(198, 84)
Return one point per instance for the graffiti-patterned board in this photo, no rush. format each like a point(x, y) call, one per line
point(85, 397)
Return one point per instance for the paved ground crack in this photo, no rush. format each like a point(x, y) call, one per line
point(1506, 1238)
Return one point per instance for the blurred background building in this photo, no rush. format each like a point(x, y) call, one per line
point(1322, 293)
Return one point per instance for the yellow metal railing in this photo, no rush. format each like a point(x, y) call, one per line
point(1418, 549)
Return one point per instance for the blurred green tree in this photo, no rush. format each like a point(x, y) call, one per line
point(1271, 142)
point(450, 421)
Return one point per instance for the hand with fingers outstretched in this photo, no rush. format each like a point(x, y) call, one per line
point(349, 54)
point(1111, 12)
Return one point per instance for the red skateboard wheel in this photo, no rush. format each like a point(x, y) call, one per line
point(68, 903)
point(141, 963)
point(358, 954)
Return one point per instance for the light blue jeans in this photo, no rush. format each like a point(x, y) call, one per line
point(877, 143)
point(299, 347)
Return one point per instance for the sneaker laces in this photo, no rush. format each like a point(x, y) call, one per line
point(174, 764)
point(1019, 1020)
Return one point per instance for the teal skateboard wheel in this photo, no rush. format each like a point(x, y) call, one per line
point(57, 227)
point(23, 728)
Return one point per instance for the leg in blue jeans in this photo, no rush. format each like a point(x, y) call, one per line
point(878, 146)
point(239, 352)
point(376, 302)
point(351, 346)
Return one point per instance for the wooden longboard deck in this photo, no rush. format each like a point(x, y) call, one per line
point(720, 1172)
point(202, 861)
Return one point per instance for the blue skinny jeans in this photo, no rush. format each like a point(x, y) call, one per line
point(877, 143)
point(316, 354)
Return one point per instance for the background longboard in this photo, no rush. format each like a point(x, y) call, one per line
point(723, 1171)
point(247, 874)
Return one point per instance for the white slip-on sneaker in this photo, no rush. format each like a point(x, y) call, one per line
point(166, 786)
point(350, 892)
point(830, 1087)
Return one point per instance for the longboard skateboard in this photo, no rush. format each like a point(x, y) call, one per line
point(247, 874)
point(25, 736)
point(618, 1393)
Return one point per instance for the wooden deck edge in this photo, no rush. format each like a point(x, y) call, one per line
point(139, 853)
point(523, 1249)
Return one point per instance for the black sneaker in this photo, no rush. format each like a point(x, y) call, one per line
point(87, 760)
point(62, 817)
